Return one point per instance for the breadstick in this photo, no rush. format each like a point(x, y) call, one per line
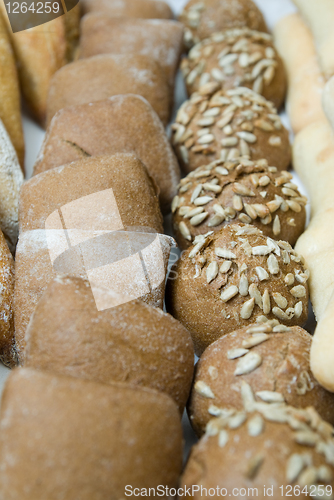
point(328, 101)
point(319, 16)
point(294, 42)
point(313, 155)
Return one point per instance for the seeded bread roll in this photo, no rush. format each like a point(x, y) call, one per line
point(109, 127)
point(295, 45)
point(97, 201)
point(204, 18)
point(160, 40)
point(10, 105)
point(144, 9)
point(238, 190)
point(97, 78)
point(224, 125)
point(276, 365)
point(237, 57)
point(235, 277)
point(62, 435)
point(11, 180)
point(8, 354)
point(132, 343)
point(263, 449)
point(40, 52)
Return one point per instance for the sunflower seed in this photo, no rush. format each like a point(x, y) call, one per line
point(229, 141)
point(242, 189)
point(307, 438)
point(325, 474)
point(184, 154)
point(206, 139)
point(175, 204)
point(275, 141)
point(247, 136)
point(225, 253)
point(218, 75)
point(248, 363)
point(294, 467)
point(247, 396)
point(225, 267)
point(289, 279)
point(280, 314)
point(270, 396)
point(258, 85)
point(253, 466)
point(228, 60)
point(237, 203)
point(298, 291)
point(206, 122)
point(203, 390)
point(261, 250)
point(216, 220)
point(243, 60)
point(266, 302)
point(209, 186)
point(247, 309)
point(255, 425)
point(276, 226)
point(194, 211)
point(267, 220)
point(229, 293)
point(294, 206)
point(237, 420)
point(197, 248)
point(289, 192)
point(298, 309)
point(184, 231)
point(256, 56)
point(233, 153)
point(280, 300)
point(198, 219)
point(196, 192)
point(273, 265)
point(183, 211)
point(225, 120)
point(256, 339)
point(281, 329)
point(285, 257)
point(212, 271)
point(243, 286)
point(262, 273)
point(222, 438)
point(236, 353)
point(202, 200)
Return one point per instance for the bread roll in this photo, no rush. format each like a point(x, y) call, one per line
point(283, 375)
point(238, 190)
point(236, 57)
point(108, 127)
point(11, 179)
point(218, 125)
point(96, 200)
point(40, 52)
point(319, 16)
point(62, 436)
point(106, 75)
point(295, 44)
point(143, 9)
point(233, 278)
point(202, 19)
point(8, 355)
point(161, 40)
point(132, 343)
point(10, 99)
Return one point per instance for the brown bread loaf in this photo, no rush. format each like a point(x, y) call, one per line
point(8, 354)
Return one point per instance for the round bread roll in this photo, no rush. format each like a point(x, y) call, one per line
point(62, 437)
point(8, 355)
point(238, 190)
point(280, 372)
point(262, 450)
point(203, 18)
point(219, 125)
point(132, 343)
point(235, 277)
point(237, 57)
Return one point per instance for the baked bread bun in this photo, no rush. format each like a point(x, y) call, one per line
point(11, 180)
point(233, 278)
point(8, 354)
point(269, 449)
point(236, 57)
point(40, 52)
point(276, 365)
point(144, 9)
point(62, 435)
point(109, 127)
point(132, 343)
point(10, 99)
point(96, 201)
point(202, 19)
point(295, 45)
point(219, 125)
point(106, 75)
point(160, 40)
point(238, 190)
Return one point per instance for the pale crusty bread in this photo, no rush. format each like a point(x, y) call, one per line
point(10, 101)
point(11, 179)
point(108, 127)
point(295, 44)
point(40, 52)
point(62, 436)
point(100, 77)
point(46, 193)
point(143, 9)
point(8, 354)
point(319, 16)
point(132, 343)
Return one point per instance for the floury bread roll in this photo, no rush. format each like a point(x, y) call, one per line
point(40, 52)
point(159, 39)
point(313, 160)
point(8, 354)
point(97, 78)
point(108, 127)
point(10, 105)
point(62, 437)
point(142, 9)
point(319, 16)
point(97, 218)
point(295, 44)
point(132, 343)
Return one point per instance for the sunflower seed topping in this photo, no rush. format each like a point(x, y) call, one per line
point(225, 267)
point(298, 291)
point(298, 309)
point(289, 279)
point(216, 220)
point(202, 200)
point(270, 396)
point(280, 300)
point(280, 314)
point(255, 293)
point(212, 272)
point(229, 293)
point(266, 302)
point(222, 438)
point(261, 250)
point(256, 339)
point(198, 219)
point(307, 438)
point(225, 253)
point(184, 231)
point(294, 467)
point(253, 466)
point(242, 189)
point(272, 263)
point(236, 353)
point(237, 420)
point(255, 425)
point(243, 286)
point(261, 273)
point(196, 192)
point(248, 363)
point(247, 309)
point(247, 136)
point(197, 248)
point(203, 390)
